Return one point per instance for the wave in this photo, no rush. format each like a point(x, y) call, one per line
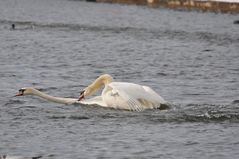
point(152, 33)
point(177, 114)
point(73, 117)
point(172, 113)
point(200, 113)
point(208, 117)
point(235, 101)
point(34, 24)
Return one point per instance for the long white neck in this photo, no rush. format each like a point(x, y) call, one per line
point(100, 81)
point(54, 99)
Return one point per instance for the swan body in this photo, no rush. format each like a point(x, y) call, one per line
point(122, 95)
point(118, 95)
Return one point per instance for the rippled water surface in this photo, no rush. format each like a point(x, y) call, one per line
point(60, 46)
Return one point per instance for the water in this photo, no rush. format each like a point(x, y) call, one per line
point(60, 46)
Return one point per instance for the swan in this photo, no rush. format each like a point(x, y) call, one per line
point(118, 95)
point(32, 91)
point(122, 95)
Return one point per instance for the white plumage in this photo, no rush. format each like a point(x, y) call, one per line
point(122, 95)
point(118, 95)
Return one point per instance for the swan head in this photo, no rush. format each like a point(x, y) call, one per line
point(100, 80)
point(86, 92)
point(25, 91)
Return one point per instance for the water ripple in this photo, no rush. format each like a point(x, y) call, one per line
point(222, 39)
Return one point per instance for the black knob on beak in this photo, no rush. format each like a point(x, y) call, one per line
point(81, 95)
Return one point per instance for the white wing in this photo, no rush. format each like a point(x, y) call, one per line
point(154, 96)
point(130, 96)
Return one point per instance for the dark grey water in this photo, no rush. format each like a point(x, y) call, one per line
point(60, 46)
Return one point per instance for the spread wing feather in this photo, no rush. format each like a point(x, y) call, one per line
point(131, 96)
point(127, 95)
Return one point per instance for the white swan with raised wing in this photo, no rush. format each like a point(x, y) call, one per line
point(122, 95)
point(118, 95)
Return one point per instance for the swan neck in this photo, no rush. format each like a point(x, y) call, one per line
point(95, 85)
point(43, 95)
point(99, 82)
point(52, 98)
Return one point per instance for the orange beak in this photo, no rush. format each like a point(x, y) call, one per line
point(18, 94)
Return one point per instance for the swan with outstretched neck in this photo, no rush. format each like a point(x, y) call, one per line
point(32, 91)
point(118, 95)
